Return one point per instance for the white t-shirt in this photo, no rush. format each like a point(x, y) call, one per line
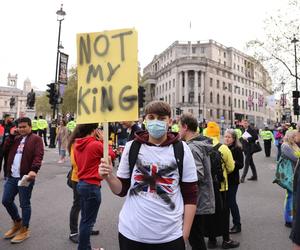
point(145, 217)
point(15, 168)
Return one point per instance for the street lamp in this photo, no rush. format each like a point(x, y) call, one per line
point(283, 101)
point(294, 41)
point(60, 17)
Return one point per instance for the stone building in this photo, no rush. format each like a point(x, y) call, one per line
point(211, 81)
point(20, 96)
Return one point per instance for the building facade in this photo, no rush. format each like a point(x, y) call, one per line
point(20, 96)
point(211, 81)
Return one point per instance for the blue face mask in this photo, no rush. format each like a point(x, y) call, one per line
point(156, 128)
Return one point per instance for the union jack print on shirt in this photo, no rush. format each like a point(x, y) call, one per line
point(153, 179)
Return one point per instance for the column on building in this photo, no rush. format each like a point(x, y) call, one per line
point(179, 88)
point(204, 99)
point(186, 87)
point(196, 86)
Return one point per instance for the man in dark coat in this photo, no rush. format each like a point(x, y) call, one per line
point(248, 138)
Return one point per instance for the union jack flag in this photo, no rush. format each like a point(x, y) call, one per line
point(261, 101)
point(153, 181)
point(250, 100)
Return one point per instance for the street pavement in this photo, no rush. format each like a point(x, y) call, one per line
point(261, 208)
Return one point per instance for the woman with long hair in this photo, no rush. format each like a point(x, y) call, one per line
point(80, 131)
point(288, 149)
point(233, 143)
point(62, 140)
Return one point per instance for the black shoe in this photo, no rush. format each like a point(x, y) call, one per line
point(288, 224)
point(235, 229)
point(230, 244)
point(211, 244)
point(74, 238)
point(242, 180)
point(95, 232)
point(252, 178)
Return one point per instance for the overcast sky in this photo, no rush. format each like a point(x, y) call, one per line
point(29, 28)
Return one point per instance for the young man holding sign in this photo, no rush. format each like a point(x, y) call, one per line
point(157, 173)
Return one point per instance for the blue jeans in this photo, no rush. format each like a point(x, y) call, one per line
point(11, 189)
point(90, 199)
point(288, 207)
point(234, 209)
point(278, 152)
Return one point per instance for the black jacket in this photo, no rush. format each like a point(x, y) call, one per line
point(238, 157)
point(247, 143)
point(134, 128)
point(295, 234)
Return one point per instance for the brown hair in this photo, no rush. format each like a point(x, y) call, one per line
point(159, 108)
point(190, 121)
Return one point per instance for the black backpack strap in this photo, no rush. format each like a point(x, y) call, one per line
point(179, 153)
point(218, 146)
point(133, 154)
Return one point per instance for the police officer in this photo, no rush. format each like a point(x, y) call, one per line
point(34, 123)
point(268, 137)
point(71, 125)
point(42, 126)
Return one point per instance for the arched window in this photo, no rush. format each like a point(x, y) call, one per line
point(211, 97)
point(224, 100)
point(218, 99)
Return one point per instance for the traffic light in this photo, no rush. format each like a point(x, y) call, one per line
point(52, 93)
point(141, 96)
point(296, 106)
point(12, 102)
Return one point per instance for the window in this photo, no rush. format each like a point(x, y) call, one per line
point(238, 67)
point(246, 92)
point(199, 99)
point(229, 87)
point(169, 84)
point(210, 82)
point(256, 107)
point(224, 100)
point(218, 113)
point(224, 85)
point(243, 105)
point(224, 113)
point(211, 97)
point(224, 73)
point(239, 104)
point(202, 50)
point(173, 83)
point(242, 91)
point(234, 102)
point(194, 50)
point(211, 113)
point(218, 99)
point(224, 54)
point(218, 84)
point(229, 101)
point(224, 63)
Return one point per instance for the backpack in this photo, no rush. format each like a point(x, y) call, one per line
point(216, 161)
point(178, 152)
point(284, 174)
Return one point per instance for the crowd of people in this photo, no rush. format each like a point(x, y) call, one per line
point(180, 179)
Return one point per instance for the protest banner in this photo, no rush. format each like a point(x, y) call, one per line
point(107, 78)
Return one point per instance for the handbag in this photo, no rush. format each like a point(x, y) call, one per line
point(69, 180)
point(284, 174)
point(255, 147)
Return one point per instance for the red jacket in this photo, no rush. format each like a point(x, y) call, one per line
point(32, 156)
point(88, 153)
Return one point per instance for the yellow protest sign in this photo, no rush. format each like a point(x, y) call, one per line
point(107, 76)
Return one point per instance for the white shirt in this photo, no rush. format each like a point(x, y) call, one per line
point(145, 217)
point(15, 168)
